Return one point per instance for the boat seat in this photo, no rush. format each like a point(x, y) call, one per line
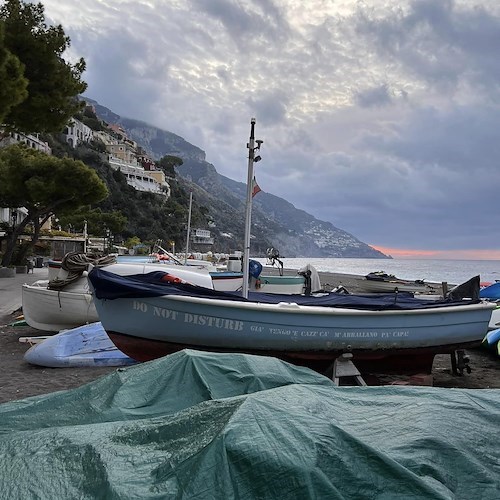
point(344, 367)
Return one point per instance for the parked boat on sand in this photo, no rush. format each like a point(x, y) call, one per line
point(147, 318)
point(65, 300)
point(87, 345)
point(381, 282)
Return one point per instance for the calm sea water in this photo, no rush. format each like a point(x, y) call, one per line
point(451, 271)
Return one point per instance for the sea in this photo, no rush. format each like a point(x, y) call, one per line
point(450, 271)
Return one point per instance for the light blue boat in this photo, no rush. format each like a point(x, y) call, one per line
point(147, 318)
point(87, 345)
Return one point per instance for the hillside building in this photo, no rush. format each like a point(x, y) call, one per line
point(77, 132)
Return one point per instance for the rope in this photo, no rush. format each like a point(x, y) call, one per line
point(76, 263)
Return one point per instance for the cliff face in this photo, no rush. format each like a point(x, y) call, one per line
point(275, 221)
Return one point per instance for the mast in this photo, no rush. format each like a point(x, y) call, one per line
point(189, 226)
point(248, 217)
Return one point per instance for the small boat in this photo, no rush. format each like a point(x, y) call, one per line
point(492, 341)
point(87, 345)
point(147, 317)
point(64, 301)
point(491, 292)
point(381, 282)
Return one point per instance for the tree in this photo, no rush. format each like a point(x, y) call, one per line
point(168, 164)
point(14, 84)
point(97, 220)
point(53, 84)
point(44, 185)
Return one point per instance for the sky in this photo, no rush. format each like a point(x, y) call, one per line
point(378, 116)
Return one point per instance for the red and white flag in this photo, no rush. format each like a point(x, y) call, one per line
point(255, 187)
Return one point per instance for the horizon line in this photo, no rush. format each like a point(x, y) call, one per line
point(463, 254)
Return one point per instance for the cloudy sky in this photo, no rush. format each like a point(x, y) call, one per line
point(381, 117)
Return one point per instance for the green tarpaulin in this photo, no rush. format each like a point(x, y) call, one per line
point(200, 425)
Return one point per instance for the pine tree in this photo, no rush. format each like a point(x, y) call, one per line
point(53, 83)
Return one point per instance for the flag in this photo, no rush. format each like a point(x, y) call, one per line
point(255, 187)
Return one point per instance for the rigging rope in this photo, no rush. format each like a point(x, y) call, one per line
point(75, 263)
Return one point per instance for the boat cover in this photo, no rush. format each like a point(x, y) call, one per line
point(209, 425)
point(491, 292)
point(111, 286)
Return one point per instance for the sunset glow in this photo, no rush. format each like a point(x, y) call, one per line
point(400, 253)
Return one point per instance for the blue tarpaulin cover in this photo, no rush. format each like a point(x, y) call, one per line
point(225, 426)
point(111, 286)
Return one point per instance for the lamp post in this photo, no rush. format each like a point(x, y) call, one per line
point(84, 236)
point(188, 226)
point(248, 216)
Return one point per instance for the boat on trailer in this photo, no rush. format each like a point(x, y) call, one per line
point(147, 318)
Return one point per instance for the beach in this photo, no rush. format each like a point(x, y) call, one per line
point(19, 379)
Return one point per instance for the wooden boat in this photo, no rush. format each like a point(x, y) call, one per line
point(147, 318)
point(87, 345)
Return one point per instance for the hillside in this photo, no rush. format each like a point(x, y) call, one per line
point(275, 221)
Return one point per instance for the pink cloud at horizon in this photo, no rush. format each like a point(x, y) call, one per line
point(400, 253)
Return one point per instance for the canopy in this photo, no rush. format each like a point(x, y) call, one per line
point(207, 425)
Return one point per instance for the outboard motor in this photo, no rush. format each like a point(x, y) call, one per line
point(312, 281)
point(273, 258)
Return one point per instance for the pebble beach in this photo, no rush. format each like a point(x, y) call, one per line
point(19, 379)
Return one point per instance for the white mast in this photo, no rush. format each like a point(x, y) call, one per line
point(189, 226)
point(248, 218)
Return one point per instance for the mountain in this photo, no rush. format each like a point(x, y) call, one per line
point(275, 221)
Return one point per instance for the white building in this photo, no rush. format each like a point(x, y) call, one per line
point(139, 178)
point(202, 237)
point(31, 140)
point(77, 132)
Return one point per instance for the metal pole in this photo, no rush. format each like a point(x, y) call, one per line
point(84, 236)
point(189, 226)
point(248, 216)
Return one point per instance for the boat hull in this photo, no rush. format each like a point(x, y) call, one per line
point(52, 310)
point(401, 361)
point(87, 345)
point(286, 329)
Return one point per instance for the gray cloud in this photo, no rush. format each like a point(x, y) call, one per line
point(379, 117)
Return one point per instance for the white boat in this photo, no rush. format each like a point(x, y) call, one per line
point(147, 318)
point(87, 345)
point(60, 303)
point(70, 304)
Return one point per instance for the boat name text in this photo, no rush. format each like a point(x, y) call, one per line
point(237, 325)
point(196, 319)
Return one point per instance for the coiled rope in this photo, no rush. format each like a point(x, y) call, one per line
point(75, 263)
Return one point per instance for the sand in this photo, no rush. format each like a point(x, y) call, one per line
point(19, 379)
